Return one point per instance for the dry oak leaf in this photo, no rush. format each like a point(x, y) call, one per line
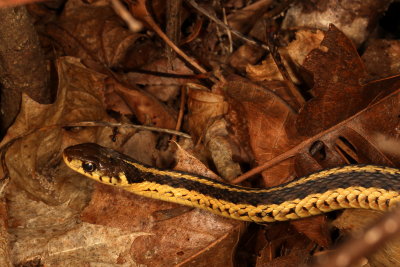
point(266, 117)
point(79, 99)
point(166, 236)
point(204, 108)
point(116, 227)
point(293, 57)
point(93, 32)
point(338, 89)
point(44, 198)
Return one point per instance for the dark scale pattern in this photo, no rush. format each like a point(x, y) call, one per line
point(111, 163)
point(333, 181)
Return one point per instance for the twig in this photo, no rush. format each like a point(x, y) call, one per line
point(124, 125)
point(229, 33)
point(373, 238)
point(133, 24)
point(149, 20)
point(227, 27)
point(181, 110)
point(173, 28)
point(292, 152)
point(293, 90)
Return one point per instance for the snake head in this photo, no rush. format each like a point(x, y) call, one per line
point(99, 163)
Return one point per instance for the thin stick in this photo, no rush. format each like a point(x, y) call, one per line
point(149, 20)
point(373, 239)
point(133, 24)
point(292, 152)
point(124, 125)
point(181, 110)
point(226, 27)
point(293, 90)
point(175, 48)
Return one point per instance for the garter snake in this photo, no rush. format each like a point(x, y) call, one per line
point(353, 186)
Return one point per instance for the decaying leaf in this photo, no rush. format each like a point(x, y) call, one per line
point(270, 120)
point(147, 109)
point(265, 115)
point(55, 217)
point(31, 159)
point(108, 43)
point(293, 55)
point(338, 73)
point(44, 199)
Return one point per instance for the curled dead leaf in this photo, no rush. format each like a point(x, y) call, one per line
point(147, 109)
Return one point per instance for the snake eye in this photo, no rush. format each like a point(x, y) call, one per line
point(88, 166)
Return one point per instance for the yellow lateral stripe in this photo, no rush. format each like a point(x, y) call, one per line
point(312, 177)
point(313, 204)
point(294, 200)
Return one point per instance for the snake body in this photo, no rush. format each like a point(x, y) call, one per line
point(354, 186)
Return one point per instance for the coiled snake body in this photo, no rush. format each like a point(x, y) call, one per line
point(355, 186)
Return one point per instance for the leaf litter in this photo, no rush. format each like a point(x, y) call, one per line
point(58, 218)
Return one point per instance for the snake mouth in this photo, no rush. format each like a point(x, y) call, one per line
point(66, 158)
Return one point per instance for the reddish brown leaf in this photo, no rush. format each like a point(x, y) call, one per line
point(109, 42)
point(359, 138)
point(315, 228)
point(337, 70)
point(204, 108)
point(266, 116)
point(285, 247)
point(147, 109)
point(339, 93)
point(189, 237)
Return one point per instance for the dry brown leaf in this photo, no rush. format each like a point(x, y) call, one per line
point(266, 116)
point(160, 65)
point(179, 239)
point(244, 19)
point(359, 138)
point(159, 80)
point(93, 32)
point(204, 108)
point(293, 56)
point(43, 198)
point(147, 109)
point(285, 247)
point(315, 228)
point(186, 162)
point(30, 159)
point(337, 70)
point(116, 227)
point(244, 56)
